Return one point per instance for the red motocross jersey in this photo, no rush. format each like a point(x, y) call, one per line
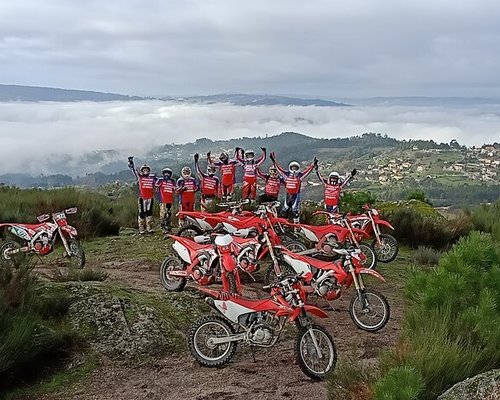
point(292, 184)
point(167, 190)
point(332, 194)
point(209, 185)
point(147, 187)
point(272, 187)
point(228, 171)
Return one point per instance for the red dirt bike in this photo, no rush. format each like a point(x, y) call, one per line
point(369, 309)
point(40, 238)
point(205, 263)
point(213, 338)
point(385, 246)
point(324, 239)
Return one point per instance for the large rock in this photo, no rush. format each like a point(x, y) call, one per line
point(485, 386)
point(128, 323)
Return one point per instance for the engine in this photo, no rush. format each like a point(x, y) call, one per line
point(247, 259)
point(326, 286)
point(329, 244)
point(261, 328)
point(42, 244)
point(203, 272)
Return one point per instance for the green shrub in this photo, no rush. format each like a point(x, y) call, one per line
point(419, 195)
point(426, 256)
point(353, 201)
point(486, 218)
point(81, 275)
point(450, 329)
point(400, 383)
point(351, 380)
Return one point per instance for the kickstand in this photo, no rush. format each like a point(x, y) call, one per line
point(249, 274)
point(330, 303)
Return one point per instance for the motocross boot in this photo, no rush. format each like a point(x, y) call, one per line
point(149, 224)
point(142, 225)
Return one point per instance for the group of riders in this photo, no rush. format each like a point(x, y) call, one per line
point(214, 187)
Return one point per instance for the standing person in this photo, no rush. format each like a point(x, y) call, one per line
point(146, 183)
point(333, 188)
point(227, 168)
point(293, 183)
point(187, 188)
point(250, 165)
point(209, 183)
point(273, 184)
point(166, 187)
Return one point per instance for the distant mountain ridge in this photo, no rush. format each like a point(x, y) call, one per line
point(10, 93)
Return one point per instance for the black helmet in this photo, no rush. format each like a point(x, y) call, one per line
point(166, 171)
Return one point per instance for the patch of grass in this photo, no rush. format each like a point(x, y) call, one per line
point(400, 383)
point(80, 275)
point(351, 380)
point(426, 256)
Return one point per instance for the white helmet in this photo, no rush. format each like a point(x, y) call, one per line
point(186, 172)
point(249, 155)
point(145, 166)
point(294, 166)
point(211, 170)
point(334, 176)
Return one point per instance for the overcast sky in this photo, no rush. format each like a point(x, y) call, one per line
point(352, 48)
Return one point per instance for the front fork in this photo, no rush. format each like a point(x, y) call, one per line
point(65, 243)
point(376, 230)
point(360, 287)
point(276, 266)
point(303, 322)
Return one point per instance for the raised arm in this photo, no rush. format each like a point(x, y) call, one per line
point(349, 178)
point(260, 174)
point(321, 179)
point(272, 156)
point(131, 166)
point(200, 173)
point(262, 158)
point(309, 169)
point(238, 155)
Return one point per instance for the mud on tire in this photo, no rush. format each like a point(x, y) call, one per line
point(172, 284)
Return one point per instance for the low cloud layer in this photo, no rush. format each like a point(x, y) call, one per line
point(31, 132)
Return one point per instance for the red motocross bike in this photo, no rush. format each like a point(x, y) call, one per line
point(369, 309)
point(213, 339)
point(40, 238)
point(205, 263)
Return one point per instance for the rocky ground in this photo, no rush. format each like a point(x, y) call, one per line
point(265, 374)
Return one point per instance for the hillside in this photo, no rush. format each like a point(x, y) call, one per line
point(34, 93)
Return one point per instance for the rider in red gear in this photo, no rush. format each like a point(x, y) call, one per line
point(209, 183)
point(146, 183)
point(293, 183)
point(250, 165)
point(333, 188)
point(166, 188)
point(273, 184)
point(227, 168)
point(187, 187)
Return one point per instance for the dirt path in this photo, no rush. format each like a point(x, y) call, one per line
point(273, 374)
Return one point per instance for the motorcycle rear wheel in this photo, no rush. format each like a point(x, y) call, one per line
point(307, 357)
point(189, 231)
point(388, 248)
point(295, 245)
point(271, 276)
point(9, 260)
point(172, 283)
point(373, 317)
point(371, 257)
point(77, 256)
point(206, 353)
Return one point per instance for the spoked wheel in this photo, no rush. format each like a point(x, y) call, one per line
point(373, 314)
point(314, 365)
point(295, 246)
point(8, 260)
point(189, 231)
point(371, 258)
point(201, 345)
point(172, 283)
point(271, 276)
point(387, 249)
point(77, 256)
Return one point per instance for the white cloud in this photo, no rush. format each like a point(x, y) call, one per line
point(31, 132)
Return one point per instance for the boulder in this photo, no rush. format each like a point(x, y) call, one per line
point(485, 386)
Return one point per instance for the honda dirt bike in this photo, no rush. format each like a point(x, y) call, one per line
point(325, 239)
point(194, 223)
point(40, 238)
point(204, 263)
point(369, 309)
point(213, 339)
point(385, 246)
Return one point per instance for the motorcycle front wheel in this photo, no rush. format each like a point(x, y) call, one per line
point(200, 341)
point(371, 257)
point(172, 283)
point(77, 256)
point(307, 356)
point(271, 277)
point(374, 314)
point(387, 249)
point(189, 231)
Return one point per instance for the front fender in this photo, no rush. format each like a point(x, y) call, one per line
point(371, 272)
point(70, 230)
point(385, 223)
point(228, 262)
point(309, 309)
